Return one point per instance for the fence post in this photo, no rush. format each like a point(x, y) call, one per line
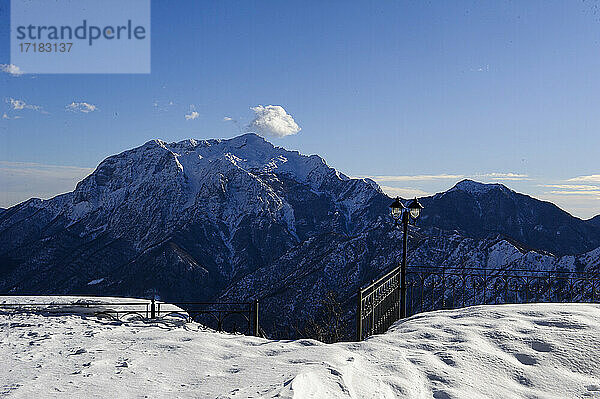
point(256, 327)
point(152, 309)
point(359, 325)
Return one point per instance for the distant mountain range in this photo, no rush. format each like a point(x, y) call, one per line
point(483, 210)
point(242, 219)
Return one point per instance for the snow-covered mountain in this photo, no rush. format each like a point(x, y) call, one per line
point(243, 219)
point(180, 220)
point(486, 210)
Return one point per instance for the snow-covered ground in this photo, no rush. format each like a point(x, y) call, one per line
point(506, 351)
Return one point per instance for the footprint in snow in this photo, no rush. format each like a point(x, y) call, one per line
point(526, 359)
point(441, 395)
point(541, 346)
point(446, 358)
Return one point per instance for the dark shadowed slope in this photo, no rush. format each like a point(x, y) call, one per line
point(595, 221)
point(483, 210)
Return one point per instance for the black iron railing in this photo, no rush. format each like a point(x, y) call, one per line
point(449, 288)
point(435, 288)
point(378, 305)
point(236, 317)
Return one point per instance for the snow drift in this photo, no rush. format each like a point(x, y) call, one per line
point(505, 351)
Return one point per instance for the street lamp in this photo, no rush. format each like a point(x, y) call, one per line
point(403, 213)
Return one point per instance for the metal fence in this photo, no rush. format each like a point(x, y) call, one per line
point(435, 288)
point(378, 305)
point(448, 288)
point(236, 317)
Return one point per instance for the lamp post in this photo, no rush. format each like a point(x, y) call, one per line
point(403, 214)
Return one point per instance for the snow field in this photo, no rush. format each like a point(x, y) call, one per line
point(503, 351)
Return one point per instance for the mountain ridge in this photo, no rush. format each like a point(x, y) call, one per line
point(479, 210)
point(240, 219)
point(216, 208)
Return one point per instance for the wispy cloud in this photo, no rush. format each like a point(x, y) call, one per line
point(503, 176)
point(404, 192)
point(587, 179)
point(163, 106)
point(23, 180)
point(581, 199)
point(44, 170)
point(576, 187)
point(444, 176)
point(272, 121)
point(18, 105)
point(482, 68)
point(11, 69)
point(580, 203)
point(82, 107)
point(414, 177)
point(6, 116)
point(192, 115)
point(579, 190)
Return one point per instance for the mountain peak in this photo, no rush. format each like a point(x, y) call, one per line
point(474, 187)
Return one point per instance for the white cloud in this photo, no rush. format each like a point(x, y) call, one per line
point(404, 192)
point(273, 121)
point(81, 107)
point(227, 118)
point(588, 179)
point(18, 105)
point(191, 115)
point(414, 177)
point(11, 69)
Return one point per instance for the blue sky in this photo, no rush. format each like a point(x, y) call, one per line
point(417, 95)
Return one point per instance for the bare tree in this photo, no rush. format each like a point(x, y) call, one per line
point(328, 325)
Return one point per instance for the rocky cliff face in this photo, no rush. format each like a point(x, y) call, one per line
point(243, 219)
point(181, 219)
